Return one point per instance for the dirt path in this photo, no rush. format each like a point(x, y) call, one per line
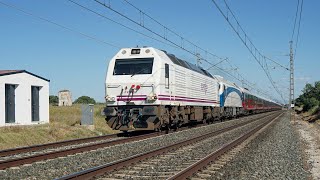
point(310, 134)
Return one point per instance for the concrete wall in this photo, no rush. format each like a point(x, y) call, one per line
point(24, 81)
point(65, 98)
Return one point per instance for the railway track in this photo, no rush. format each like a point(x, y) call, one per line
point(102, 141)
point(218, 158)
point(27, 155)
point(151, 161)
point(10, 152)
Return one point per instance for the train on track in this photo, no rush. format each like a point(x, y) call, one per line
point(150, 89)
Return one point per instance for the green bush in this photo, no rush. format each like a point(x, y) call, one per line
point(54, 100)
point(85, 100)
point(310, 97)
point(310, 103)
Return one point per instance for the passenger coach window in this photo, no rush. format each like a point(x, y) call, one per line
point(133, 66)
point(166, 74)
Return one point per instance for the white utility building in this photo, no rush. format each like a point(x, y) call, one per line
point(24, 98)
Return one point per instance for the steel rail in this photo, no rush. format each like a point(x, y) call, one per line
point(38, 147)
point(108, 167)
point(194, 168)
point(51, 155)
point(13, 151)
point(26, 149)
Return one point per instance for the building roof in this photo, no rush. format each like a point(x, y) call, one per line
point(10, 72)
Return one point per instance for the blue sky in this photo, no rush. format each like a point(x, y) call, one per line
point(78, 63)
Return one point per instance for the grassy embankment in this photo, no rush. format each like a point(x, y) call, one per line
point(312, 115)
point(64, 125)
point(309, 102)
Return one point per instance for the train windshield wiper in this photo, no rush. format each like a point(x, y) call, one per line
point(139, 71)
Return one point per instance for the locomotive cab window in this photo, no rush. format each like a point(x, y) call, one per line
point(133, 66)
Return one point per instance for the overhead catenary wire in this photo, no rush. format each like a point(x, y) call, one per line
point(216, 64)
point(165, 37)
point(96, 39)
point(156, 33)
point(298, 31)
point(120, 24)
point(170, 30)
point(261, 59)
point(59, 25)
point(99, 14)
point(239, 26)
point(295, 20)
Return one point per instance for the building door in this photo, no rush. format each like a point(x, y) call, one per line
point(10, 103)
point(35, 102)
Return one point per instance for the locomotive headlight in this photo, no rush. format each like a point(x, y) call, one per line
point(108, 98)
point(152, 98)
point(135, 51)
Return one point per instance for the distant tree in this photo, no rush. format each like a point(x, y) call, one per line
point(85, 100)
point(53, 99)
point(310, 97)
point(317, 90)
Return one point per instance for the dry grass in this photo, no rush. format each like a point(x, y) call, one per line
point(64, 125)
point(313, 115)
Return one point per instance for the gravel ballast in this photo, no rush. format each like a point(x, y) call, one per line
point(43, 151)
point(62, 166)
point(274, 154)
point(167, 164)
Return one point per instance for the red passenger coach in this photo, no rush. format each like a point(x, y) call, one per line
point(254, 104)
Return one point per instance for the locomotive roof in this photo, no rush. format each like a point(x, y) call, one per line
point(187, 65)
point(230, 83)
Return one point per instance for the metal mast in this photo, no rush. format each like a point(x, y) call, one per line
point(291, 98)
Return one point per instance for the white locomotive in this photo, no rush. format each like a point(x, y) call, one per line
point(149, 89)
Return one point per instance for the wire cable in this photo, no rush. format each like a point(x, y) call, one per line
point(164, 37)
point(59, 25)
point(120, 24)
point(298, 33)
point(142, 13)
point(155, 33)
point(252, 49)
point(295, 20)
point(166, 28)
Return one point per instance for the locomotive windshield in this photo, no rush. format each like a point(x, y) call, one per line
point(133, 66)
